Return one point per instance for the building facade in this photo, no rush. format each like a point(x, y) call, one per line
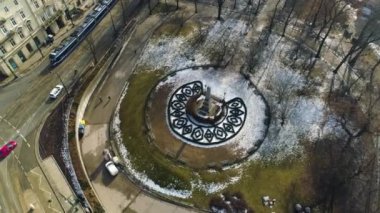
point(24, 26)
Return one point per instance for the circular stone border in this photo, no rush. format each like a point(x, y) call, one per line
point(254, 143)
point(190, 131)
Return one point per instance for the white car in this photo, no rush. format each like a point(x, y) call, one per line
point(111, 168)
point(55, 91)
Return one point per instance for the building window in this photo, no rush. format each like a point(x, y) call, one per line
point(12, 42)
point(15, 1)
point(37, 41)
point(12, 63)
point(13, 21)
point(36, 4)
point(29, 47)
point(3, 50)
point(4, 29)
point(6, 9)
point(20, 33)
point(22, 14)
point(29, 26)
point(21, 56)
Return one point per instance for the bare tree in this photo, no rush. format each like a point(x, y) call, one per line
point(271, 23)
point(337, 11)
point(367, 35)
point(254, 56)
point(334, 168)
point(219, 51)
point(316, 14)
point(372, 73)
point(179, 20)
point(150, 7)
point(220, 5)
point(259, 3)
point(195, 6)
point(284, 87)
point(91, 46)
point(200, 37)
point(289, 7)
point(123, 10)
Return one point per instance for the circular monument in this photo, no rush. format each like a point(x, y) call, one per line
point(207, 117)
point(197, 117)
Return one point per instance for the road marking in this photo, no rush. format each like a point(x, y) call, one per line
point(40, 181)
point(17, 130)
point(17, 159)
point(7, 181)
point(40, 188)
point(23, 169)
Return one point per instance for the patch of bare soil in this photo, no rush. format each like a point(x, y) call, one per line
point(51, 136)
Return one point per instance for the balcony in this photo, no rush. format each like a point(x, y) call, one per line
point(47, 2)
point(2, 21)
point(50, 20)
point(7, 36)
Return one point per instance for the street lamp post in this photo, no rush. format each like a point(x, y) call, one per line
point(63, 84)
point(10, 68)
point(68, 12)
point(123, 10)
point(113, 24)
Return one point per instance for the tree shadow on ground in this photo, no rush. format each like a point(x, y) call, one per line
point(98, 170)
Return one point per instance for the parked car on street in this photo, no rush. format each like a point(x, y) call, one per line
point(55, 91)
point(7, 148)
point(111, 168)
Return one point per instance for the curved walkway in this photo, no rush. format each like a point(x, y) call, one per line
point(116, 194)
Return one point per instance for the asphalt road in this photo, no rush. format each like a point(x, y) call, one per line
point(24, 104)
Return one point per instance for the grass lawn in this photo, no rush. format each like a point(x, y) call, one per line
point(144, 156)
point(280, 181)
point(182, 28)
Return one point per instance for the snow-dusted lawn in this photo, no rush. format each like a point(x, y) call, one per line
point(272, 168)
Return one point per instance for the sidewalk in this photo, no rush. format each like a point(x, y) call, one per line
point(126, 196)
point(44, 188)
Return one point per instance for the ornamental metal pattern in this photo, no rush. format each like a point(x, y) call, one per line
point(204, 134)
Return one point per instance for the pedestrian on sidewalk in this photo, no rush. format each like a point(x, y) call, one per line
point(100, 99)
point(109, 98)
point(75, 72)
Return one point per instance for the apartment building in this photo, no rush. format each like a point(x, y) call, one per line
point(24, 26)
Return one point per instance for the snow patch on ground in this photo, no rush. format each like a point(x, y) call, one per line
point(305, 121)
point(211, 188)
point(304, 115)
point(141, 177)
point(376, 49)
point(170, 53)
